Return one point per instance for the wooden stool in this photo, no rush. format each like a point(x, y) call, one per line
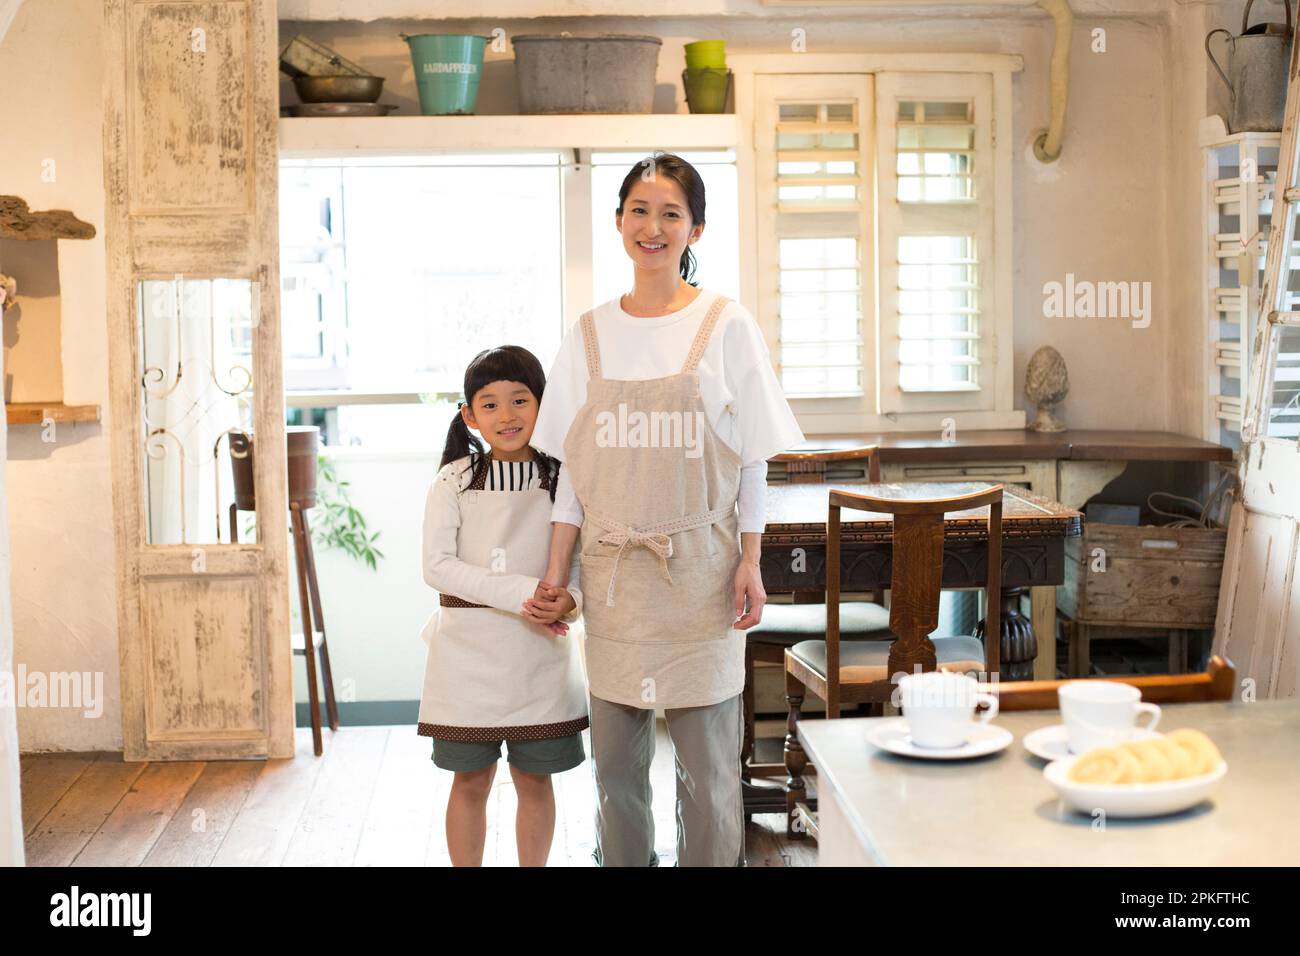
point(302, 442)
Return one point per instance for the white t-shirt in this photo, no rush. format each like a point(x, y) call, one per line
point(741, 394)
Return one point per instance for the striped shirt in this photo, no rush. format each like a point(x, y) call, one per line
point(511, 475)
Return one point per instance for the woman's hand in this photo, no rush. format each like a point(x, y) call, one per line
point(749, 585)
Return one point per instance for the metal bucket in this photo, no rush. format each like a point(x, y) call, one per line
point(447, 70)
point(1258, 60)
point(601, 74)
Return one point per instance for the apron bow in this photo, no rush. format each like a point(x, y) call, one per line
point(655, 537)
point(621, 536)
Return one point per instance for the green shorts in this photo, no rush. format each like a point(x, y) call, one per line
point(550, 755)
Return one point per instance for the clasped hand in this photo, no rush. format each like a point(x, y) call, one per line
point(547, 605)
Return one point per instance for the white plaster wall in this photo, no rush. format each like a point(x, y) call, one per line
point(63, 559)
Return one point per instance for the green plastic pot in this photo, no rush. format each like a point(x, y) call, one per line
point(706, 90)
point(706, 53)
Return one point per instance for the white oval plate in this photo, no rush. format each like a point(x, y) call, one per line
point(1131, 799)
point(892, 734)
point(1053, 743)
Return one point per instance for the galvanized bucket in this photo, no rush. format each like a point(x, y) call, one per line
point(610, 73)
point(1257, 73)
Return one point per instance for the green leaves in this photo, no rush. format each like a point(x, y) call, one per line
point(337, 524)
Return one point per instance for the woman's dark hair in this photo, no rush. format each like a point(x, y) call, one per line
point(509, 363)
point(686, 176)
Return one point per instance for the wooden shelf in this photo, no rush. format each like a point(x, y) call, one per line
point(35, 413)
point(306, 137)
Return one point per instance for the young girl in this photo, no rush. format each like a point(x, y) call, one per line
point(492, 675)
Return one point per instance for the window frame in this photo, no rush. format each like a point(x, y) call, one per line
point(995, 407)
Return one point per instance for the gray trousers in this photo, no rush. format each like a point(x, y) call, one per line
point(706, 748)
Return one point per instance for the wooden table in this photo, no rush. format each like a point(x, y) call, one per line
point(879, 809)
point(1068, 467)
point(1022, 444)
point(1034, 530)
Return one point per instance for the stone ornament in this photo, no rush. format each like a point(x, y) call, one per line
point(1047, 382)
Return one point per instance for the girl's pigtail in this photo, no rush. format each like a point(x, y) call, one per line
point(461, 442)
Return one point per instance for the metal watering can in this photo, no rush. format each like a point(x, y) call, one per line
point(1257, 64)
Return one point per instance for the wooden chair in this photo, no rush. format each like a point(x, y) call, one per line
point(785, 625)
point(812, 466)
point(856, 671)
point(1216, 683)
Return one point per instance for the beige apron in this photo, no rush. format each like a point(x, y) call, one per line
point(659, 545)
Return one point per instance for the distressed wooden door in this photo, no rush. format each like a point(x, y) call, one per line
point(1258, 623)
point(190, 152)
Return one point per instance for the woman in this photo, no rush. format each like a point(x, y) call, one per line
point(664, 408)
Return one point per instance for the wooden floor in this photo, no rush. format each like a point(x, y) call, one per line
point(373, 799)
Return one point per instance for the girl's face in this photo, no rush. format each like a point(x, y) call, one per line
point(655, 215)
point(504, 413)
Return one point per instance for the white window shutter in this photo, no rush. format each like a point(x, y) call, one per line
point(938, 262)
point(814, 164)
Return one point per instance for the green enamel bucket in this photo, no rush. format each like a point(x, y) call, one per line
point(447, 70)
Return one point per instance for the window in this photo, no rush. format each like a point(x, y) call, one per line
point(815, 206)
point(936, 228)
point(878, 278)
point(938, 285)
point(1283, 396)
point(397, 271)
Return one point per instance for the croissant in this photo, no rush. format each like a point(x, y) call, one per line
point(1106, 765)
point(1175, 756)
point(1205, 756)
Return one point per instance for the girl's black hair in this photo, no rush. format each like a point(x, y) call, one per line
point(686, 176)
point(509, 363)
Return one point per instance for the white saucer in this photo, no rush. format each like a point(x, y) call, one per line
point(892, 734)
point(1053, 743)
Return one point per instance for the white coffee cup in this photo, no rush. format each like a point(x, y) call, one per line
point(940, 707)
point(1102, 713)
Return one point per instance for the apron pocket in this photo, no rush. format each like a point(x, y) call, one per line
point(697, 606)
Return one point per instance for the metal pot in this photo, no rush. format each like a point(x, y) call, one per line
point(1258, 61)
point(339, 89)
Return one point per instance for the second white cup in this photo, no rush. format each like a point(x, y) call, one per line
point(1102, 713)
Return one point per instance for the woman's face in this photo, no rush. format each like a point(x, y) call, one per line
point(656, 224)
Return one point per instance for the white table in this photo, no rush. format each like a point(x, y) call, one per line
point(875, 808)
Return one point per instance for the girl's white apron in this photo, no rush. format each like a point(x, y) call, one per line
point(490, 674)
